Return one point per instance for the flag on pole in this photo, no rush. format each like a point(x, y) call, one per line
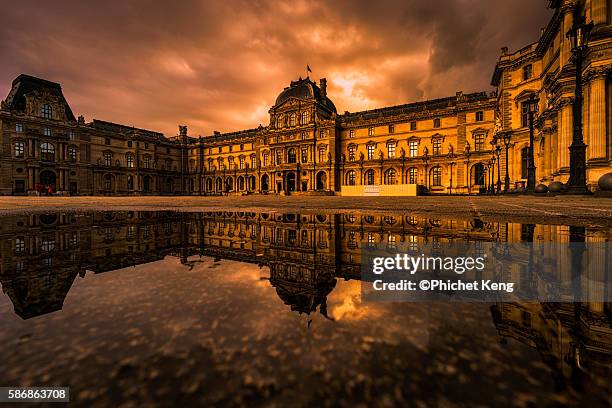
point(308, 69)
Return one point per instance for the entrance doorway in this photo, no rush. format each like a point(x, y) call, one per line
point(264, 182)
point(290, 182)
point(72, 188)
point(47, 179)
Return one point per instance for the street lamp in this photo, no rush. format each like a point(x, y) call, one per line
point(467, 165)
point(579, 38)
point(452, 163)
point(498, 152)
point(492, 178)
point(507, 137)
point(531, 168)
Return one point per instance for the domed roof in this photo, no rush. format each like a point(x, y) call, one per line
point(304, 89)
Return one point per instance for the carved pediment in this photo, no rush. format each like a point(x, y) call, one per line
point(524, 95)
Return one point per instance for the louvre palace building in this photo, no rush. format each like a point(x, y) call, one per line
point(461, 144)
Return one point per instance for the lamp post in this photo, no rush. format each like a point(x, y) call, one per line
point(579, 37)
point(498, 152)
point(507, 137)
point(531, 168)
point(492, 178)
point(452, 163)
point(425, 159)
point(467, 165)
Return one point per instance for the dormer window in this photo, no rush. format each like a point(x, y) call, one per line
point(18, 128)
point(479, 116)
point(391, 128)
point(305, 117)
point(46, 111)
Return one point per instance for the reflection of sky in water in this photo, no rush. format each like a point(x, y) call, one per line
point(230, 333)
point(218, 333)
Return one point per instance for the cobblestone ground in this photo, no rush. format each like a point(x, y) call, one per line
point(553, 210)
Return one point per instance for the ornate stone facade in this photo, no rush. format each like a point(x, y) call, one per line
point(445, 146)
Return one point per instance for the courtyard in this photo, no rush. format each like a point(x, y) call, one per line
point(569, 210)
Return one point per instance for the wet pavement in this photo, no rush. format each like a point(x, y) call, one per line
point(230, 308)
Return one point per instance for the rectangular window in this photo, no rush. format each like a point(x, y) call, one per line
point(71, 135)
point(129, 143)
point(479, 116)
point(241, 162)
point(322, 134)
point(72, 153)
point(304, 155)
point(322, 156)
point(413, 125)
point(436, 146)
point(391, 128)
point(108, 159)
point(414, 148)
point(19, 149)
point(370, 131)
point(107, 141)
point(265, 159)
point(18, 128)
point(370, 152)
point(279, 157)
point(47, 132)
point(525, 114)
point(220, 149)
point(437, 123)
point(351, 133)
point(253, 162)
point(351, 153)
point(146, 162)
point(479, 142)
point(391, 150)
point(146, 146)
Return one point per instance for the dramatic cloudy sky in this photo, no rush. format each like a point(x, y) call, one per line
point(219, 65)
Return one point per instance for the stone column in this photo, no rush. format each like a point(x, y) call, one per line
point(565, 135)
point(597, 119)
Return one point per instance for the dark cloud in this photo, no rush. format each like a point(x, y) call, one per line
point(218, 65)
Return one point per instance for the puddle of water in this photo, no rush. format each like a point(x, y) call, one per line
point(255, 309)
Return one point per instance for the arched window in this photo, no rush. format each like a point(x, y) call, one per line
point(322, 157)
point(436, 176)
point(350, 178)
point(291, 157)
point(390, 177)
point(279, 121)
point(524, 162)
point(47, 151)
point(292, 119)
point(305, 117)
point(369, 177)
point(413, 175)
point(46, 111)
point(19, 149)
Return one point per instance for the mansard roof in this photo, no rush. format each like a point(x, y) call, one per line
point(221, 137)
point(24, 84)
point(415, 107)
point(123, 129)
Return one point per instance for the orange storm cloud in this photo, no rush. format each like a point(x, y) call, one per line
point(219, 65)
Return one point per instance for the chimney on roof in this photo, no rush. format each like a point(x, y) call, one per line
point(183, 130)
point(323, 85)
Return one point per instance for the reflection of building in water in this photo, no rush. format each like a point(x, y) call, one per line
point(41, 255)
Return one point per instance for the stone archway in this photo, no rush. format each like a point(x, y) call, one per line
point(48, 178)
point(321, 180)
point(291, 180)
point(265, 182)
